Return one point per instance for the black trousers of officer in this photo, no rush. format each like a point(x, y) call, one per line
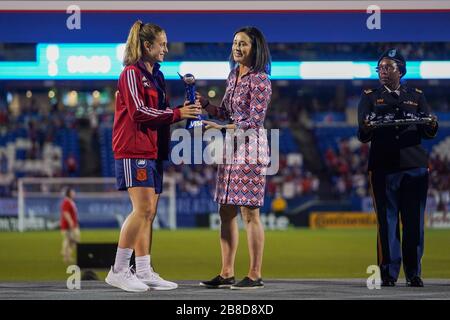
point(401, 193)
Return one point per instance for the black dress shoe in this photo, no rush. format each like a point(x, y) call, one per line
point(248, 283)
point(388, 283)
point(414, 282)
point(218, 282)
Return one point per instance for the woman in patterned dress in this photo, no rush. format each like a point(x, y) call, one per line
point(241, 179)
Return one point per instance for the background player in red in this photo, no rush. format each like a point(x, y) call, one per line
point(141, 136)
point(69, 225)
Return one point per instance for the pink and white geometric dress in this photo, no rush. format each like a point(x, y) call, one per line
point(242, 181)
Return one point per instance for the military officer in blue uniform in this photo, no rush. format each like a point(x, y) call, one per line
point(398, 170)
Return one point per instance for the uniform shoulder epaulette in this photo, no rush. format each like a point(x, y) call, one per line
point(367, 91)
point(418, 90)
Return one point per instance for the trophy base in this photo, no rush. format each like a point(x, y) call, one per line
point(193, 123)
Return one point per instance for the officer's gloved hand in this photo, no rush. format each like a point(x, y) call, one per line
point(367, 127)
point(433, 122)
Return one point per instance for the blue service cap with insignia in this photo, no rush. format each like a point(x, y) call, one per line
point(395, 55)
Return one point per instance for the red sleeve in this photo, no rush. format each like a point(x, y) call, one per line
point(176, 115)
point(65, 206)
point(133, 93)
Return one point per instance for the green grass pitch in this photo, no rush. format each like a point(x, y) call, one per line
point(188, 254)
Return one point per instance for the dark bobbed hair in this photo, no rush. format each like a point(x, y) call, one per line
point(67, 191)
point(261, 60)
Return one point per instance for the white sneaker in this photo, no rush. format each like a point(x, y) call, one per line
point(155, 282)
point(125, 280)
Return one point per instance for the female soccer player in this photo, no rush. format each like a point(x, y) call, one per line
point(140, 144)
point(240, 184)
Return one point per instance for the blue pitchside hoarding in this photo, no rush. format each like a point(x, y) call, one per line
point(216, 21)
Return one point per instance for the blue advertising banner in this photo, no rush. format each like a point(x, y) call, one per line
point(220, 27)
point(216, 21)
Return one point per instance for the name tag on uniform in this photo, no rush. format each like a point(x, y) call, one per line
point(380, 102)
point(411, 103)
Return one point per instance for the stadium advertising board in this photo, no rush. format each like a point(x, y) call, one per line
point(328, 220)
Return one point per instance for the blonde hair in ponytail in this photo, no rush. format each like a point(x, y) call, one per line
point(139, 33)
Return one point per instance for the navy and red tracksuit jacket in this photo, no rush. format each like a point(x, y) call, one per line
point(143, 116)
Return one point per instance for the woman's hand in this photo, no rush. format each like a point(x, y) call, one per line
point(190, 111)
point(203, 101)
point(212, 125)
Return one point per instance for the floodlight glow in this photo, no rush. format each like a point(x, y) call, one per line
point(362, 70)
point(434, 69)
point(120, 51)
point(103, 61)
point(52, 53)
point(205, 70)
point(326, 70)
point(83, 64)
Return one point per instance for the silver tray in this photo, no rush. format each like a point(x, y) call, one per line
point(399, 122)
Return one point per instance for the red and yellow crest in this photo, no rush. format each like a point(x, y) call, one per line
point(141, 174)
